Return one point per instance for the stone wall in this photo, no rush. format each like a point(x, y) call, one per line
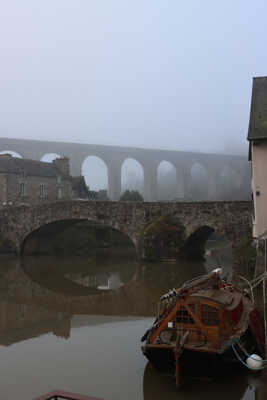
point(232, 220)
point(10, 189)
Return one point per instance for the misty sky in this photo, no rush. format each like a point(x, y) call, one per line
point(146, 73)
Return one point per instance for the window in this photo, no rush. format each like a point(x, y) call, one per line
point(42, 191)
point(59, 193)
point(183, 316)
point(22, 189)
point(209, 315)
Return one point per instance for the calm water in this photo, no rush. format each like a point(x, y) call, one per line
point(76, 324)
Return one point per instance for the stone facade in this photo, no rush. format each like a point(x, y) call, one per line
point(34, 182)
point(257, 136)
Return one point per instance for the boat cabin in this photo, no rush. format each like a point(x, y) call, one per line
point(209, 316)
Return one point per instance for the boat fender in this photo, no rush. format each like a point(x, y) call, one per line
point(254, 361)
point(217, 271)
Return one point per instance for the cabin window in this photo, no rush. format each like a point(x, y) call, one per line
point(209, 315)
point(183, 316)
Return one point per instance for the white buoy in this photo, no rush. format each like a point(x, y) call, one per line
point(254, 361)
point(217, 271)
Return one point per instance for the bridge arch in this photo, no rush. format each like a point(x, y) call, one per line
point(198, 186)
point(38, 241)
point(95, 172)
point(61, 214)
point(49, 157)
point(166, 181)
point(132, 175)
point(230, 182)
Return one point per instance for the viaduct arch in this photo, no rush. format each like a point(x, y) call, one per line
point(150, 159)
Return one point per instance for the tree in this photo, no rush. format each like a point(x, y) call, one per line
point(131, 195)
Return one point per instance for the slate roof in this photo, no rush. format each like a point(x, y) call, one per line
point(14, 165)
point(258, 111)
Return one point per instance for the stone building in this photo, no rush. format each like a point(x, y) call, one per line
point(24, 181)
point(257, 136)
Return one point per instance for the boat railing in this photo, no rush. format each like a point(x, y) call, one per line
point(62, 395)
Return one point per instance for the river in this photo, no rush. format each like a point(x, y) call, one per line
point(75, 324)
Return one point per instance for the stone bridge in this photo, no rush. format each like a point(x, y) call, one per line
point(232, 220)
point(149, 159)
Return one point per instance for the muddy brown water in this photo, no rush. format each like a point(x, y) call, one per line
point(75, 324)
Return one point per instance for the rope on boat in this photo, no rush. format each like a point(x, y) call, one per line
point(237, 342)
point(256, 281)
point(251, 287)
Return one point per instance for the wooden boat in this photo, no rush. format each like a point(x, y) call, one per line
point(198, 324)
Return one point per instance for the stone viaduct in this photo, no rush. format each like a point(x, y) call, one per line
point(230, 219)
point(150, 159)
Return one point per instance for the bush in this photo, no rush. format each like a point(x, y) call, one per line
point(131, 195)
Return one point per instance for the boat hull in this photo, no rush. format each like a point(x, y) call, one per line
point(192, 363)
point(199, 363)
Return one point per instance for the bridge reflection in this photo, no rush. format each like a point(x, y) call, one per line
point(37, 298)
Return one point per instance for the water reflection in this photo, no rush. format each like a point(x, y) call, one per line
point(157, 386)
point(100, 306)
point(77, 276)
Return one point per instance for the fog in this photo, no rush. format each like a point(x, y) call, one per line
point(159, 74)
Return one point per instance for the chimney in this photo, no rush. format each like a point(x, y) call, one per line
point(63, 165)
